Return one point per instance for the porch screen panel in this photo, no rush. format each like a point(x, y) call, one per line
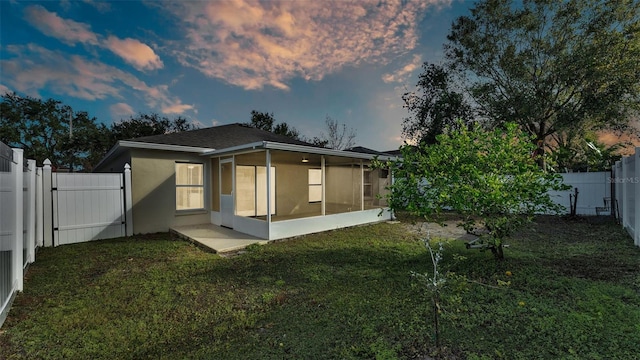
point(343, 185)
point(251, 195)
point(375, 182)
point(189, 186)
point(245, 190)
point(261, 190)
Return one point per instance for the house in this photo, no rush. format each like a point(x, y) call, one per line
point(253, 181)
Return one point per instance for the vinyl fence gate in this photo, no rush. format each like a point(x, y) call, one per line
point(87, 207)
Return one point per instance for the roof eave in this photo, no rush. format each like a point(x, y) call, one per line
point(166, 147)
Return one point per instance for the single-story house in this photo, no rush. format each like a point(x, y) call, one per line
point(253, 181)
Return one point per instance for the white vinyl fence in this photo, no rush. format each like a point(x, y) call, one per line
point(592, 187)
point(17, 247)
point(42, 208)
point(87, 206)
point(626, 179)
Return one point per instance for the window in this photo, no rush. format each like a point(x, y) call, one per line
point(315, 185)
point(189, 186)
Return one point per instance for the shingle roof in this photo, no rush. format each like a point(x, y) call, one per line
point(364, 150)
point(219, 137)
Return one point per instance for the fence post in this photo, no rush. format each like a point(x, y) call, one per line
point(47, 204)
point(18, 259)
point(635, 181)
point(128, 200)
point(39, 208)
point(618, 187)
point(31, 249)
point(625, 187)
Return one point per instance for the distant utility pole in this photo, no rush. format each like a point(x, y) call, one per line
point(71, 138)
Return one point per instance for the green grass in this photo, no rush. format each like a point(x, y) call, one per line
point(574, 292)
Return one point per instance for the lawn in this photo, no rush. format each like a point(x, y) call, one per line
point(568, 288)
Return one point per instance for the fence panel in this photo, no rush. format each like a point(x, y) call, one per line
point(592, 187)
point(7, 231)
point(627, 182)
point(87, 207)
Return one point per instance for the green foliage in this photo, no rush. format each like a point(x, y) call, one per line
point(487, 176)
point(434, 106)
point(265, 121)
point(552, 66)
point(148, 125)
point(344, 294)
point(42, 129)
point(583, 152)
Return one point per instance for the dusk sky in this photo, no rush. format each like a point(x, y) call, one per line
point(213, 62)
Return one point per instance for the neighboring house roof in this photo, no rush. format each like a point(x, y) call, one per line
point(396, 152)
point(364, 150)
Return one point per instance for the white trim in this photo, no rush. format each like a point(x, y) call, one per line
point(297, 148)
point(167, 147)
point(296, 227)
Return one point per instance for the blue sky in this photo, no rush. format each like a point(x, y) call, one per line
point(213, 62)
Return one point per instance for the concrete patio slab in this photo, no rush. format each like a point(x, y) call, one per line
point(216, 238)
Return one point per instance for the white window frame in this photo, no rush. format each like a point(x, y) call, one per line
point(315, 184)
point(186, 186)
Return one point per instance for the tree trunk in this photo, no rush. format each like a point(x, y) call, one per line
point(497, 252)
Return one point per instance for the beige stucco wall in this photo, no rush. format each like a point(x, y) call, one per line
point(154, 192)
point(116, 164)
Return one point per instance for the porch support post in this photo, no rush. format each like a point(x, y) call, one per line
point(269, 200)
point(361, 185)
point(322, 202)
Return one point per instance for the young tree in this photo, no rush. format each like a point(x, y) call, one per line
point(551, 66)
point(337, 137)
point(486, 176)
point(42, 129)
point(434, 106)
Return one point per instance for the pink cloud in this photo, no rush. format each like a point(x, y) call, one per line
point(120, 110)
point(401, 75)
point(34, 68)
point(68, 31)
point(4, 89)
point(252, 44)
point(176, 108)
point(134, 52)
